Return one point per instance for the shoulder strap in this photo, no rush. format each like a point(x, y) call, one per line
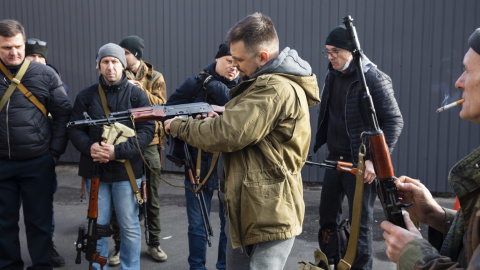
point(128, 165)
point(16, 83)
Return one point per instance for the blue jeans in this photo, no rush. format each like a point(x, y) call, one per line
point(26, 182)
point(197, 245)
point(334, 188)
point(126, 209)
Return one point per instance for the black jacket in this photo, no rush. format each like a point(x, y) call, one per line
point(25, 132)
point(386, 107)
point(120, 97)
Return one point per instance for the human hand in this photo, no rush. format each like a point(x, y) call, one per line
point(102, 153)
point(397, 237)
point(424, 209)
point(369, 172)
point(210, 115)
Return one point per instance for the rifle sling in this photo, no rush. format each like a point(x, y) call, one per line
point(347, 261)
point(16, 83)
point(128, 165)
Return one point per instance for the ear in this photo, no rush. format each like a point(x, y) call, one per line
point(264, 57)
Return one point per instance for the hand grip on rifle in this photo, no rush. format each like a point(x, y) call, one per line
point(379, 152)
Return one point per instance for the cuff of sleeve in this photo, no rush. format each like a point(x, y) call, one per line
point(175, 127)
point(414, 251)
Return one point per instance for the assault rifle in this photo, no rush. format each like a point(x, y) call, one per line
point(341, 166)
point(154, 112)
point(144, 208)
point(387, 190)
point(87, 241)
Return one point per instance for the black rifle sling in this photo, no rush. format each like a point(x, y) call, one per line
point(128, 165)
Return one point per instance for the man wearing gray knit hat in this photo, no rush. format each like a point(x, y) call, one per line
point(115, 185)
point(453, 239)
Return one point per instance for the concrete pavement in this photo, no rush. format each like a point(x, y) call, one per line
point(70, 213)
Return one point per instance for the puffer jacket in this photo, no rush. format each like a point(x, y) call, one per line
point(154, 86)
point(458, 246)
point(120, 97)
point(264, 135)
point(386, 107)
point(25, 132)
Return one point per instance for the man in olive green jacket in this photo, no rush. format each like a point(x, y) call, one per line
point(264, 135)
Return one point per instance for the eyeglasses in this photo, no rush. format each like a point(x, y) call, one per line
point(39, 42)
point(333, 54)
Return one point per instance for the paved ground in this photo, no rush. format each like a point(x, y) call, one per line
point(70, 213)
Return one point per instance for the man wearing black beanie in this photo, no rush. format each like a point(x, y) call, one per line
point(453, 238)
point(141, 74)
point(340, 123)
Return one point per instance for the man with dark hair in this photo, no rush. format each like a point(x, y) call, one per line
point(453, 238)
point(115, 183)
point(212, 85)
point(29, 148)
point(341, 121)
point(264, 136)
point(36, 50)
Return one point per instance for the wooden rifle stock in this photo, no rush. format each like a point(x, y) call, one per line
point(145, 212)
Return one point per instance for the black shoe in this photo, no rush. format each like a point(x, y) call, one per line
point(56, 260)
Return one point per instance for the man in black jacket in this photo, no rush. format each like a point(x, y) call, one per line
point(211, 86)
point(29, 148)
point(114, 181)
point(340, 123)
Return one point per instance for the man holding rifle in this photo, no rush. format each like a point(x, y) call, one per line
point(453, 236)
point(342, 119)
point(211, 85)
point(264, 136)
point(115, 185)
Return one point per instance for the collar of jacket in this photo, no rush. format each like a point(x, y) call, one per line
point(114, 87)
point(146, 69)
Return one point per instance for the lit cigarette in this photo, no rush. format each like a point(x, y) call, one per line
point(453, 104)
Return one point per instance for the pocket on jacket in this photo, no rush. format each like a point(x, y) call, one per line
point(266, 207)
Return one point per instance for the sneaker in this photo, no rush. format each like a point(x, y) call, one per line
point(157, 253)
point(114, 259)
point(55, 259)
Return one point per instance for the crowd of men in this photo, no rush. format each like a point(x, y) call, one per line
point(263, 134)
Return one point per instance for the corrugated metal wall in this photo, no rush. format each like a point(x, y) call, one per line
point(420, 44)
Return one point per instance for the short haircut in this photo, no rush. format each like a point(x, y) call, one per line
point(256, 31)
point(11, 28)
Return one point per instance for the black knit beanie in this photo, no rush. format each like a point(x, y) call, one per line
point(33, 46)
point(133, 44)
point(474, 41)
point(223, 50)
point(337, 37)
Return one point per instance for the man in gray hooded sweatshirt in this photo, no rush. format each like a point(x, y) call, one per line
point(264, 136)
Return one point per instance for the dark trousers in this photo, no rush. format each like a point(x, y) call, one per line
point(30, 183)
point(335, 186)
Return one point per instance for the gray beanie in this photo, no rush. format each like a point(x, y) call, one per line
point(474, 41)
point(112, 49)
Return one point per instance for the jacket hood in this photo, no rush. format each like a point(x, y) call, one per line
point(287, 62)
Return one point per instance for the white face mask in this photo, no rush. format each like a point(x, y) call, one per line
point(347, 64)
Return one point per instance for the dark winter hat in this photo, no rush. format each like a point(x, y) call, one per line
point(337, 37)
point(133, 44)
point(474, 41)
point(223, 50)
point(112, 49)
point(35, 45)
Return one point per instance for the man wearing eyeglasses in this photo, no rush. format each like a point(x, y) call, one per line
point(341, 121)
point(29, 147)
point(36, 50)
